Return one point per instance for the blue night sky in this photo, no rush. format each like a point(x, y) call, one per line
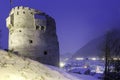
point(77, 21)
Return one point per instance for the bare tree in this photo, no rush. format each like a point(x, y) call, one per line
point(112, 51)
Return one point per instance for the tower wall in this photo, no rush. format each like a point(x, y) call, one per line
point(33, 34)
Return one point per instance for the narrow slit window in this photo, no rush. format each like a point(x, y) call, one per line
point(30, 41)
point(31, 12)
point(20, 31)
point(42, 28)
point(12, 19)
point(45, 53)
point(37, 27)
point(23, 12)
point(18, 7)
point(17, 13)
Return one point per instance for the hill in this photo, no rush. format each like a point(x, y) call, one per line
point(92, 49)
point(96, 47)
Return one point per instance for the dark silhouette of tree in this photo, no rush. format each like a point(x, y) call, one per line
point(112, 53)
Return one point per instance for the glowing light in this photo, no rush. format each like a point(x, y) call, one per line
point(103, 58)
point(62, 64)
point(94, 59)
point(79, 58)
point(115, 58)
point(85, 66)
point(98, 70)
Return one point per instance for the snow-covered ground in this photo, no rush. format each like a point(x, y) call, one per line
point(93, 68)
point(79, 76)
point(13, 67)
point(84, 77)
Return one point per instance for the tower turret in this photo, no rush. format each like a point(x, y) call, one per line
point(32, 34)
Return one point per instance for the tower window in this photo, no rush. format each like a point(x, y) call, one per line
point(17, 13)
point(30, 41)
point(31, 12)
point(45, 52)
point(23, 12)
point(37, 27)
point(18, 7)
point(42, 27)
point(12, 19)
point(20, 31)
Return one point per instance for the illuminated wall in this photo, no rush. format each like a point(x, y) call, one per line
point(32, 34)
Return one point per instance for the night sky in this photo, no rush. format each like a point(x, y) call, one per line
point(77, 21)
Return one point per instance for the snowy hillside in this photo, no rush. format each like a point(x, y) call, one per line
point(91, 49)
point(13, 67)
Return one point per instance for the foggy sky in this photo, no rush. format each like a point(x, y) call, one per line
point(77, 21)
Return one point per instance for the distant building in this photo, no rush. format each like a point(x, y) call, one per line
point(32, 34)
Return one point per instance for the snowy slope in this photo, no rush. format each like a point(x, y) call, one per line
point(80, 76)
point(13, 67)
point(84, 77)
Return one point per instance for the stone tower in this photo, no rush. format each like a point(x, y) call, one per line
point(32, 34)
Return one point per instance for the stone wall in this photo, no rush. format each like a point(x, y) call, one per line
point(33, 34)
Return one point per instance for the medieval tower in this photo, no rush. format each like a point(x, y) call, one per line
point(32, 34)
